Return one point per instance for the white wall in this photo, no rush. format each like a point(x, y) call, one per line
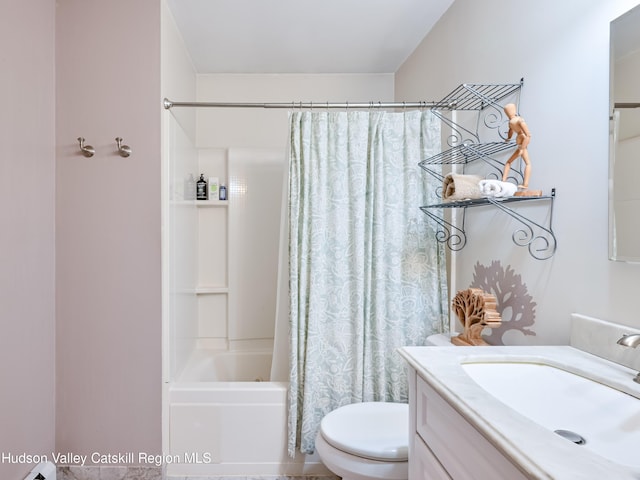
point(27, 215)
point(562, 51)
point(256, 128)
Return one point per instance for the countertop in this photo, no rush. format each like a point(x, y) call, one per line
point(539, 452)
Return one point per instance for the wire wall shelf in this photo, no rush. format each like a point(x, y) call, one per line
point(539, 239)
point(471, 96)
point(470, 152)
point(488, 101)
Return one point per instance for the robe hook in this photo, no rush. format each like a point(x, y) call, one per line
point(123, 150)
point(87, 150)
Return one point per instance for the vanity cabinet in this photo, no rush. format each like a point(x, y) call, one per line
point(444, 445)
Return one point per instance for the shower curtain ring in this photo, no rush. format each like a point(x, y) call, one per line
point(87, 150)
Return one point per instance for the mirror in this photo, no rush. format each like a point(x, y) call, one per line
point(624, 138)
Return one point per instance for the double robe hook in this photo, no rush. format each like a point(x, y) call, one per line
point(89, 151)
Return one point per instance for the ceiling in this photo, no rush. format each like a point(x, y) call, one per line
point(304, 36)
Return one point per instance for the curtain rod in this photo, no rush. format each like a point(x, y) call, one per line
point(310, 105)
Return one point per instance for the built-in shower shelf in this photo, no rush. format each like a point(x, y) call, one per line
point(210, 290)
point(202, 203)
point(212, 203)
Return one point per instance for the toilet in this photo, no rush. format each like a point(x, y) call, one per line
point(366, 441)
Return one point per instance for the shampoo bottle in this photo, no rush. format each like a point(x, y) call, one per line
point(201, 188)
point(223, 191)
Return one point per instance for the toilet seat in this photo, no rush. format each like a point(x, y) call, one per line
point(372, 430)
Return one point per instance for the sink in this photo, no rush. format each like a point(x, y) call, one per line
point(605, 420)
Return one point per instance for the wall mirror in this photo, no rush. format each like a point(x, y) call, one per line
point(624, 138)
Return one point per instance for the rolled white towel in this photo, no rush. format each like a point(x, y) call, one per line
point(497, 188)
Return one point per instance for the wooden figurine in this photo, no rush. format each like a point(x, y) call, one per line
point(476, 310)
point(518, 126)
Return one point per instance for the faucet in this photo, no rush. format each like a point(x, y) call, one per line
point(632, 340)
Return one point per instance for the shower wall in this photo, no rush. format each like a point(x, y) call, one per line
point(223, 257)
point(236, 275)
point(181, 249)
point(221, 286)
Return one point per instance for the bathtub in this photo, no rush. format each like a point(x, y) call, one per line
point(226, 418)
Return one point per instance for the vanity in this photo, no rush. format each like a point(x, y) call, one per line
point(493, 412)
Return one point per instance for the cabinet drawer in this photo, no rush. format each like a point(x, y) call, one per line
point(423, 464)
point(461, 449)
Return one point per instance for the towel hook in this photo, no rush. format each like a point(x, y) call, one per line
point(123, 150)
point(87, 150)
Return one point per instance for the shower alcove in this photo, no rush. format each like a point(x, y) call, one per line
point(224, 412)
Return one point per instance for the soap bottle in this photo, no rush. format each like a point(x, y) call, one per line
point(223, 192)
point(201, 188)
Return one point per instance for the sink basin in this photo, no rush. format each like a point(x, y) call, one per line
point(607, 419)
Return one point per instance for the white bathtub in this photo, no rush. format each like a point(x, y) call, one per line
point(227, 418)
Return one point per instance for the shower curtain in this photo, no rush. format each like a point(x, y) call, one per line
point(366, 274)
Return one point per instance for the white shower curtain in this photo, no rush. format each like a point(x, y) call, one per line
point(366, 274)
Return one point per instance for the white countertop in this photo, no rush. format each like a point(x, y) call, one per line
point(536, 450)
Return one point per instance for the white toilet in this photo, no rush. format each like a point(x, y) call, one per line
point(366, 441)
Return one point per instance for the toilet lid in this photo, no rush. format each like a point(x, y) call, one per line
point(374, 430)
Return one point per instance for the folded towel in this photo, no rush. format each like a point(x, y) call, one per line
point(456, 186)
point(497, 188)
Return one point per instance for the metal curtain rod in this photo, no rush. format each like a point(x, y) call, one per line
point(310, 105)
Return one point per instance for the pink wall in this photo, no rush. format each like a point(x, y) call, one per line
point(27, 190)
point(108, 297)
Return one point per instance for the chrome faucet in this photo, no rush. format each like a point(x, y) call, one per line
point(632, 340)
